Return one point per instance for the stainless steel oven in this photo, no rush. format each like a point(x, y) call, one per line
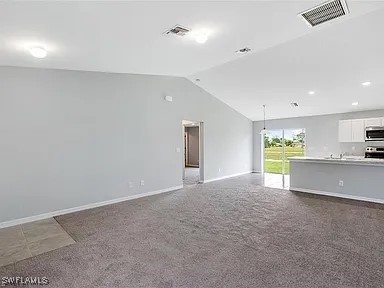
point(374, 152)
point(374, 134)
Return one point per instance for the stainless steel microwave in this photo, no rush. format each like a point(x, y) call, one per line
point(374, 134)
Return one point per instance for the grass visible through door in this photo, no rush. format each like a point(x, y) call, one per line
point(273, 158)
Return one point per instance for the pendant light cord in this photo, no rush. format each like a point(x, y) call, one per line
point(264, 116)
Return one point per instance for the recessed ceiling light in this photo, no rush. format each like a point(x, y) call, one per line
point(38, 52)
point(367, 83)
point(311, 92)
point(355, 103)
point(201, 37)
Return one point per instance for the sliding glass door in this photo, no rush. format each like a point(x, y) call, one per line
point(294, 145)
point(279, 145)
point(273, 152)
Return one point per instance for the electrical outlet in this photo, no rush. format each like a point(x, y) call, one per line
point(130, 185)
point(142, 182)
point(341, 183)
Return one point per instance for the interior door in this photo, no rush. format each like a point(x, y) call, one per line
point(186, 152)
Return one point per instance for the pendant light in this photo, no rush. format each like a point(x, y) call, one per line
point(263, 131)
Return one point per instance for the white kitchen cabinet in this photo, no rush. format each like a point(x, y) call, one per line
point(351, 130)
point(345, 130)
point(357, 130)
point(374, 122)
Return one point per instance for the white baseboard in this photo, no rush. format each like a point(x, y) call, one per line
point(83, 207)
point(228, 176)
point(339, 195)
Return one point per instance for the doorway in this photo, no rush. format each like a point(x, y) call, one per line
point(279, 146)
point(192, 152)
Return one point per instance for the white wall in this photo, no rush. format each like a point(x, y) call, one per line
point(72, 138)
point(321, 134)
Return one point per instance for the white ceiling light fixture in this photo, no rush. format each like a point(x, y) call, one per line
point(168, 98)
point(367, 83)
point(355, 103)
point(311, 92)
point(38, 52)
point(201, 37)
point(263, 131)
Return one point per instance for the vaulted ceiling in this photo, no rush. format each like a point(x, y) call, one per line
point(287, 60)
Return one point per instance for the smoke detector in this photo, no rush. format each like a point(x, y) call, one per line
point(325, 12)
point(243, 51)
point(177, 30)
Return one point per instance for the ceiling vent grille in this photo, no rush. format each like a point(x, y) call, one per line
point(243, 50)
point(325, 12)
point(177, 30)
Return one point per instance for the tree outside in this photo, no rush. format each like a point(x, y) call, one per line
point(294, 143)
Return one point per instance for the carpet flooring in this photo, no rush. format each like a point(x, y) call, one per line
point(230, 233)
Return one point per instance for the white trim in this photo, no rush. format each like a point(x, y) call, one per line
point(345, 196)
point(84, 207)
point(228, 176)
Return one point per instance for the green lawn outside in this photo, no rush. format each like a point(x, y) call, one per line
point(274, 154)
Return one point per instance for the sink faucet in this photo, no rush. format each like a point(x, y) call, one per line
point(342, 155)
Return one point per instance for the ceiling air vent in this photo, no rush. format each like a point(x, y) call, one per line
point(325, 12)
point(177, 30)
point(243, 50)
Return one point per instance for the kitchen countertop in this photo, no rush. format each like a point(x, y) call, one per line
point(348, 160)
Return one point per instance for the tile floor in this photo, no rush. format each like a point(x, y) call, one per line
point(276, 181)
point(31, 239)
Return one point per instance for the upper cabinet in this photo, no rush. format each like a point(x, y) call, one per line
point(345, 131)
point(374, 122)
point(354, 130)
point(357, 130)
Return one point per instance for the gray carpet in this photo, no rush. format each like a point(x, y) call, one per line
point(231, 233)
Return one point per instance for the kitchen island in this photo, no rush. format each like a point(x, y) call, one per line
point(352, 178)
